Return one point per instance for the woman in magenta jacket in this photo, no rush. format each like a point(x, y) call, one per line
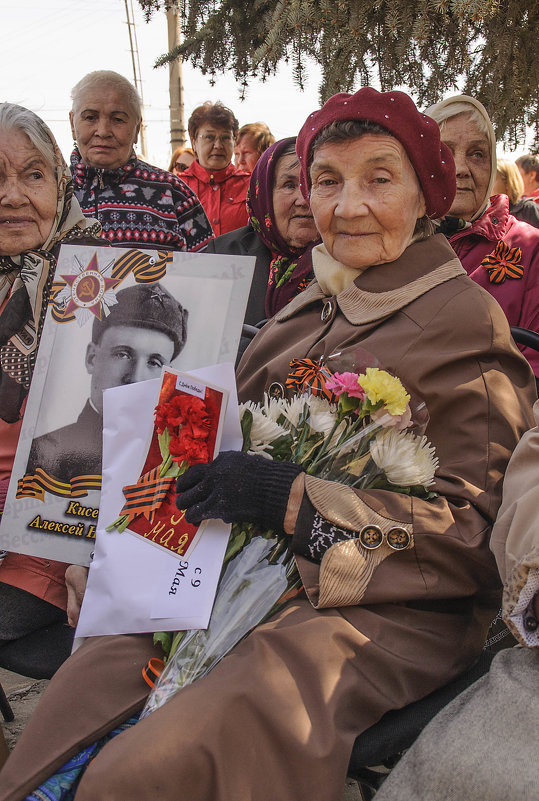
point(498, 251)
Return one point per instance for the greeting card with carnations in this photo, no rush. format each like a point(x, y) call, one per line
point(136, 583)
point(187, 430)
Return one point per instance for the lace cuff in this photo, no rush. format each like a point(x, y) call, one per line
point(521, 618)
point(315, 535)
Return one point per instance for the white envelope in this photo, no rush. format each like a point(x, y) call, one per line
point(133, 586)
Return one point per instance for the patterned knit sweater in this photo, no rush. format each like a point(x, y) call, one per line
point(138, 204)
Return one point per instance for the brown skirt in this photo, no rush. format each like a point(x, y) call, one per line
point(276, 718)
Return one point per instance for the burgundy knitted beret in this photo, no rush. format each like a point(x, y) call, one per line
point(418, 134)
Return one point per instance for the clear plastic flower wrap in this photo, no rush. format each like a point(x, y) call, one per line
point(253, 585)
point(362, 429)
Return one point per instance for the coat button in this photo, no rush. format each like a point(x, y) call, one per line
point(371, 537)
point(398, 538)
point(531, 623)
point(327, 311)
point(276, 390)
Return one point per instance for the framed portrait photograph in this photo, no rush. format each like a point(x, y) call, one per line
point(115, 317)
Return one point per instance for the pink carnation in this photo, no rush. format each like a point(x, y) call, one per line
point(347, 383)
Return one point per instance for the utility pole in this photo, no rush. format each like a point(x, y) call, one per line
point(175, 86)
point(136, 69)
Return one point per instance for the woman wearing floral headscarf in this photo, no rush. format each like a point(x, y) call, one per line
point(498, 251)
point(37, 214)
point(281, 233)
point(373, 630)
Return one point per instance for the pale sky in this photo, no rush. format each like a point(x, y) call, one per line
point(48, 46)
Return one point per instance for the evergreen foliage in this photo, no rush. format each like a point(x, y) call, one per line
point(486, 47)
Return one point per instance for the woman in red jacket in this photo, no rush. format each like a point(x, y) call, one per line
point(221, 187)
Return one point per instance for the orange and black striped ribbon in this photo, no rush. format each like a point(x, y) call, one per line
point(152, 671)
point(308, 376)
point(504, 262)
point(146, 268)
point(34, 485)
point(146, 496)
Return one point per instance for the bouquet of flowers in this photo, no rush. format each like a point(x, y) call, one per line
point(354, 428)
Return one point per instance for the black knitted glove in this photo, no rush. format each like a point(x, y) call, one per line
point(237, 487)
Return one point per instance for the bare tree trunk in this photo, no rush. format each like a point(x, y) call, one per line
point(177, 116)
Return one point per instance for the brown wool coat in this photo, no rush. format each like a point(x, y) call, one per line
point(277, 717)
point(451, 346)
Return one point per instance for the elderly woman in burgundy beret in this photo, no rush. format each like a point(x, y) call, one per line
point(278, 716)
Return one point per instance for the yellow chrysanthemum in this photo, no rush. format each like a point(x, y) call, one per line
point(381, 386)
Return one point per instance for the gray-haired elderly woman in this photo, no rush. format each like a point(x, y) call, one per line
point(372, 630)
point(135, 202)
point(37, 214)
point(497, 251)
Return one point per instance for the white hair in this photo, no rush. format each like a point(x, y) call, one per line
point(17, 118)
point(455, 109)
point(477, 114)
point(101, 78)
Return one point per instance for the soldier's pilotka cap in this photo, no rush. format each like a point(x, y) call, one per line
point(146, 306)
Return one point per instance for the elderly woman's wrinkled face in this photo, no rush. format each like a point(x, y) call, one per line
point(292, 214)
point(245, 153)
point(365, 199)
point(104, 127)
point(28, 194)
point(471, 151)
point(213, 146)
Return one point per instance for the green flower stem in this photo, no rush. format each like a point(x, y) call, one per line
point(120, 524)
point(296, 452)
point(324, 447)
point(355, 429)
point(304, 460)
point(165, 465)
point(176, 640)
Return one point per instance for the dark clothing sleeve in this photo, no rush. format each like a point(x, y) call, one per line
point(314, 535)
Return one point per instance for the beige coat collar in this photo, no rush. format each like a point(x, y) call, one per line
point(384, 289)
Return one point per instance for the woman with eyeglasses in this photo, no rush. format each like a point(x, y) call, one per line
point(182, 158)
point(221, 187)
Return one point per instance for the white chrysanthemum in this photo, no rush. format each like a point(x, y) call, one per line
point(273, 408)
point(406, 460)
point(264, 431)
point(248, 406)
point(293, 408)
point(322, 416)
